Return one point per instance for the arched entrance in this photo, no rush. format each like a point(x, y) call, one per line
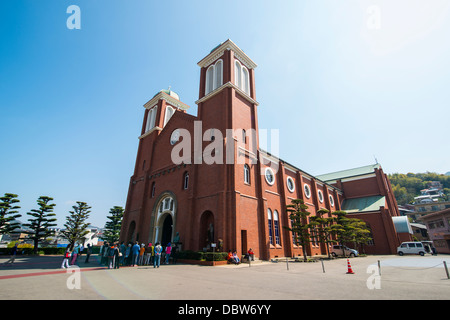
point(165, 219)
point(167, 230)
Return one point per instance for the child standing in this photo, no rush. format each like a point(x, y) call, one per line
point(65, 263)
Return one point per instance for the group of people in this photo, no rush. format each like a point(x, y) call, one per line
point(136, 254)
point(234, 258)
point(71, 256)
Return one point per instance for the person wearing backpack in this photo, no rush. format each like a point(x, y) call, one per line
point(157, 259)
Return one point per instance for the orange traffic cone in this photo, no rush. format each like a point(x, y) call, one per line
point(349, 267)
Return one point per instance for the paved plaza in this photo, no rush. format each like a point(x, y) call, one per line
point(402, 278)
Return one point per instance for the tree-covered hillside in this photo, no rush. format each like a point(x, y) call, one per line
point(407, 186)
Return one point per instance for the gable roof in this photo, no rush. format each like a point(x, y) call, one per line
point(349, 173)
point(364, 204)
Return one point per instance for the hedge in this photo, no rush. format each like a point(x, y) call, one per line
point(200, 255)
point(44, 251)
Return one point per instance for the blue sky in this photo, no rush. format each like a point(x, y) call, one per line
point(340, 90)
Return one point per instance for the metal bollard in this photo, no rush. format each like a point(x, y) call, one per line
point(379, 268)
point(446, 270)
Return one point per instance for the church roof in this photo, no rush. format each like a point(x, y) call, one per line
point(364, 204)
point(349, 173)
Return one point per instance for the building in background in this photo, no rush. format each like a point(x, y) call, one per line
point(438, 225)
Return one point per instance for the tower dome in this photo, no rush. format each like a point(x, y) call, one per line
point(170, 93)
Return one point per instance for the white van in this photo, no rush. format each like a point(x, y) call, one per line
point(411, 248)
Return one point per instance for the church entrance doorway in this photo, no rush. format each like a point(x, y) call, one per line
point(167, 228)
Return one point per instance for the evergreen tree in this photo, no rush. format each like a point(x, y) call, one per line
point(112, 228)
point(321, 227)
point(349, 230)
point(9, 213)
point(41, 222)
point(299, 224)
point(76, 225)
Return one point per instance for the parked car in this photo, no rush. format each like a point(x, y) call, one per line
point(336, 250)
point(411, 248)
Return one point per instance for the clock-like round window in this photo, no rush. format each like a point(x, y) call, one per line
point(320, 194)
point(307, 191)
point(175, 136)
point(270, 178)
point(290, 184)
point(331, 200)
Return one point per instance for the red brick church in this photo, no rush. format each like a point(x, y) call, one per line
point(204, 179)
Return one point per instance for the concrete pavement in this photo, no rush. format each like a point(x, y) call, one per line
point(402, 278)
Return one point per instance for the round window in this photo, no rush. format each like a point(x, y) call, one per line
point(269, 176)
point(320, 194)
point(290, 184)
point(331, 200)
point(175, 136)
point(307, 191)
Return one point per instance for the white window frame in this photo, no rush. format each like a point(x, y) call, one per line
point(307, 190)
point(246, 173)
point(214, 76)
point(241, 77)
point(151, 117)
point(276, 227)
point(293, 184)
point(270, 225)
point(271, 173)
point(320, 195)
point(168, 114)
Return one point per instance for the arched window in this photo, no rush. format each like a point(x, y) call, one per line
point(214, 77)
point(151, 117)
point(209, 79)
point(186, 181)
point(169, 113)
point(276, 226)
point(218, 70)
point(246, 174)
point(241, 77)
point(245, 81)
point(244, 135)
point(167, 204)
point(269, 217)
point(237, 74)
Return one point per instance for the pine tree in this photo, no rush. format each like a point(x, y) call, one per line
point(300, 227)
point(112, 228)
point(349, 230)
point(43, 219)
point(9, 213)
point(76, 225)
point(321, 227)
